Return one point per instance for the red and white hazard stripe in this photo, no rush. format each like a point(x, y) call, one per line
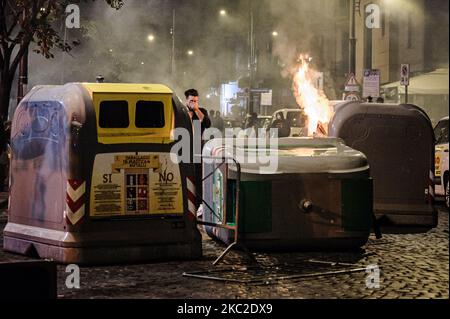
point(431, 188)
point(191, 191)
point(218, 151)
point(75, 200)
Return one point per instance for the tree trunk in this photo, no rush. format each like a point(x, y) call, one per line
point(5, 94)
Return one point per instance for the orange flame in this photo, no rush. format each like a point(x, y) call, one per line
point(312, 100)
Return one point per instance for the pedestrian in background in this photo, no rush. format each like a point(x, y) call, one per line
point(251, 126)
point(218, 122)
point(211, 116)
point(280, 123)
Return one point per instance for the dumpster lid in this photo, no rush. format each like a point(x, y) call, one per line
point(291, 155)
point(126, 88)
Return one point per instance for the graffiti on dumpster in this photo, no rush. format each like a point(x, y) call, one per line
point(135, 184)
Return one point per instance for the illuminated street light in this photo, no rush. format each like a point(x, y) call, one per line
point(142, 63)
point(190, 52)
point(151, 38)
point(223, 12)
point(275, 33)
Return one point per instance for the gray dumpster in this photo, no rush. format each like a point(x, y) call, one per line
point(92, 179)
point(398, 141)
point(319, 195)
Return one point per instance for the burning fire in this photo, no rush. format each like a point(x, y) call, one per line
point(311, 99)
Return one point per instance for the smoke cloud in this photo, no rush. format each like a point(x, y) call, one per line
point(115, 44)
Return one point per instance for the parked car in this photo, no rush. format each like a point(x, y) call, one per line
point(441, 159)
point(263, 123)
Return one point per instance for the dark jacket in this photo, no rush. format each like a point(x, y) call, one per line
point(206, 123)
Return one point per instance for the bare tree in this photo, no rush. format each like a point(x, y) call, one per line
point(27, 22)
point(22, 24)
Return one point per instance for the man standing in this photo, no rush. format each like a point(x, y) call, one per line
point(284, 130)
point(251, 127)
point(197, 113)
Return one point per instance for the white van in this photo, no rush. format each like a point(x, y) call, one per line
point(441, 159)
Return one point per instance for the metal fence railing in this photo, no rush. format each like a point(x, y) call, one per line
point(224, 161)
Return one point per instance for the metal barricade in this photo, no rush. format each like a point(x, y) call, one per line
point(225, 161)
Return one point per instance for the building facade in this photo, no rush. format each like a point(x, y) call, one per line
point(413, 32)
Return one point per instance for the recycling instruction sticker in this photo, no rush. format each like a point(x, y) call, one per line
point(135, 184)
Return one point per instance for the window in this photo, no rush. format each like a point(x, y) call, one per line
point(441, 132)
point(150, 114)
point(114, 114)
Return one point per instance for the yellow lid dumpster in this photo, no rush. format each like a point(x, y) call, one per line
point(92, 180)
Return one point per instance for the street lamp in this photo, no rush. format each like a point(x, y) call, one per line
point(190, 52)
point(151, 37)
point(223, 12)
point(252, 62)
point(275, 33)
point(172, 51)
point(352, 38)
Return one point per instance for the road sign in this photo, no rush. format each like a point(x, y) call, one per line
point(351, 85)
point(351, 97)
point(404, 74)
point(266, 99)
point(371, 84)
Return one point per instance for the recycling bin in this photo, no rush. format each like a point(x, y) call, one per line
point(398, 141)
point(308, 194)
point(92, 180)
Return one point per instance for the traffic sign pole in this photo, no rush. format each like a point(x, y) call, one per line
point(404, 79)
point(406, 94)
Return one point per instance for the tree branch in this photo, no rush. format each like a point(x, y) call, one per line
point(14, 23)
point(23, 48)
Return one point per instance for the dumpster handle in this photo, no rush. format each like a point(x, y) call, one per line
point(235, 228)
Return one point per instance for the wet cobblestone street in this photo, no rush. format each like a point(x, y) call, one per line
point(412, 265)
